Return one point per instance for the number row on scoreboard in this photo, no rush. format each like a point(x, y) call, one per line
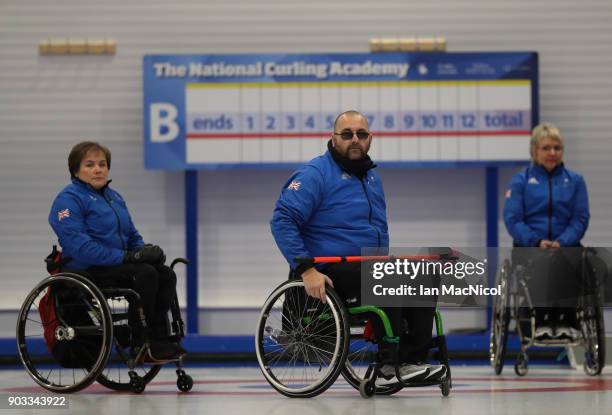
point(315, 122)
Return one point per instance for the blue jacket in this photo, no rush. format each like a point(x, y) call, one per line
point(324, 211)
point(541, 205)
point(94, 228)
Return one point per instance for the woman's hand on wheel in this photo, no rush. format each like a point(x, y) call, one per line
point(314, 283)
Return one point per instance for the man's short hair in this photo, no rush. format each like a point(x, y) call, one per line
point(350, 112)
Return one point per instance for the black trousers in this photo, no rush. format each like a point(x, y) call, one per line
point(554, 281)
point(412, 324)
point(156, 285)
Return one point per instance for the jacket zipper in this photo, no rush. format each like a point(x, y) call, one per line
point(550, 207)
point(118, 221)
point(370, 213)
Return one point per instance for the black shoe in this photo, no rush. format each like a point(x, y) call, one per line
point(407, 372)
point(180, 350)
point(436, 372)
point(567, 332)
point(163, 350)
point(544, 333)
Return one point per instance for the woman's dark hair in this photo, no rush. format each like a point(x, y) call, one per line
point(80, 150)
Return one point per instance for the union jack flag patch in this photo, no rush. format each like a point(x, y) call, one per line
point(294, 185)
point(63, 214)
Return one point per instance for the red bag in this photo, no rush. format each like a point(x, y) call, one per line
point(69, 354)
point(48, 317)
point(46, 306)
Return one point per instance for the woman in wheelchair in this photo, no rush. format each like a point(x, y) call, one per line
point(99, 240)
point(547, 207)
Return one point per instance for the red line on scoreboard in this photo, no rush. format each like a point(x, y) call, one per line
point(213, 136)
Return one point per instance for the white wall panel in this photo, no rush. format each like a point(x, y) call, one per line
point(49, 103)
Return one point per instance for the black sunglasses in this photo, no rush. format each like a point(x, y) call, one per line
point(348, 135)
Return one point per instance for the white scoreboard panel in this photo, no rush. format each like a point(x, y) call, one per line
point(264, 120)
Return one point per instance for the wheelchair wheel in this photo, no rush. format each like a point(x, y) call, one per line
point(500, 321)
point(360, 354)
point(301, 342)
point(64, 333)
point(594, 334)
point(115, 374)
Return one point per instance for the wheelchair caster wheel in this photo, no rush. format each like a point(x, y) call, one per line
point(184, 383)
point(590, 367)
point(445, 387)
point(520, 367)
point(366, 389)
point(137, 385)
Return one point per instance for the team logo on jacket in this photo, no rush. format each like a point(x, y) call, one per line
point(533, 180)
point(294, 185)
point(345, 176)
point(63, 214)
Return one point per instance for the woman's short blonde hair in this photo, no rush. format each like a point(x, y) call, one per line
point(541, 131)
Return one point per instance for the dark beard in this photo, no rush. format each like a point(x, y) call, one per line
point(358, 168)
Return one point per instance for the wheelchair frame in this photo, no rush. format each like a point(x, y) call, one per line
point(283, 339)
point(513, 282)
point(109, 354)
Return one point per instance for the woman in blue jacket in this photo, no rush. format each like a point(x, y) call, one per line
point(547, 206)
point(97, 235)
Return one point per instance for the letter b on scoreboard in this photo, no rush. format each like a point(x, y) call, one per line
point(163, 125)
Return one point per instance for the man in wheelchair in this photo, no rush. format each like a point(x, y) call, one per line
point(335, 205)
point(99, 240)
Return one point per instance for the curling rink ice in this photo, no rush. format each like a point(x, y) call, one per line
point(222, 390)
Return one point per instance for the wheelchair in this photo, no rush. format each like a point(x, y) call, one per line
point(303, 345)
point(71, 333)
point(514, 304)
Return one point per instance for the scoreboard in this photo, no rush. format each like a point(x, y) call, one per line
point(214, 111)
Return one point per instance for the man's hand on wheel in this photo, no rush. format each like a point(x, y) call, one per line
point(314, 283)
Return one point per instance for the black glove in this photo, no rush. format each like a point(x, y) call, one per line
point(148, 254)
point(163, 254)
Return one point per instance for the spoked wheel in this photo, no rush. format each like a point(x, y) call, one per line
point(115, 374)
point(64, 333)
point(360, 354)
point(500, 321)
point(301, 342)
point(594, 334)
